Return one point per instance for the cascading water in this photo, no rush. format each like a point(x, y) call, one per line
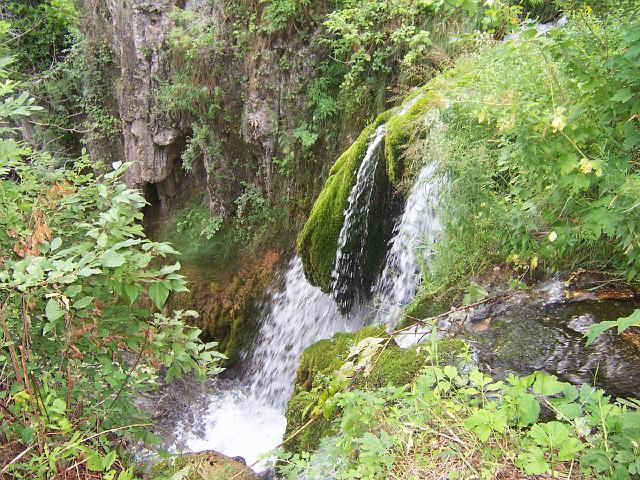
point(245, 415)
point(300, 315)
point(354, 234)
point(413, 237)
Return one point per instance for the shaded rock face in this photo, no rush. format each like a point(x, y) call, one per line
point(135, 31)
point(261, 100)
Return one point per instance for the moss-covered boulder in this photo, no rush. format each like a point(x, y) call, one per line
point(402, 129)
point(318, 241)
point(200, 466)
point(394, 367)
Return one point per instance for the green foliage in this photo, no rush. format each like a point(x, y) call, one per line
point(181, 98)
point(38, 33)
point(190, 92)
point(402, 39)
point(198, 220)
point(279, 14)
point(539, 150)
point(82, 292)
point(201, 237)
point(622, 324)
point(253, 214)
point(203, 143)
point(328, 366)
point(462, 423)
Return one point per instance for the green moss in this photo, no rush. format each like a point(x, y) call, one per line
point(199, 466)
point(401, 131)
point(426, 305)
point(309, 439)
point(318, 241)
point(326, 356)
point(394, 367)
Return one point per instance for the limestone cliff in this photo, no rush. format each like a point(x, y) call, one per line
point(260, 99)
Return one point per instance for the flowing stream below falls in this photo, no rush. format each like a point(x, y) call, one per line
point(241, 412)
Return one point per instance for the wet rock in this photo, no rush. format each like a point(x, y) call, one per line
point(202, 466)
point(529, 337)
point(581, 323)
point(632, 336)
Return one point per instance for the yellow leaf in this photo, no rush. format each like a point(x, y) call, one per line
point(586, 166)
point(534, 262)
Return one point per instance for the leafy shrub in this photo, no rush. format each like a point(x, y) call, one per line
point(253, 215)
point(39, 33)
point(464, 424)
point(197, 219)
point(539, 151)
point(279, 14)
point(82, 292)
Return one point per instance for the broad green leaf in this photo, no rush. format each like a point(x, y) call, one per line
point(112, 259)
point(95, 462)
point(622, 96)
point(55, 243)
point(53, 310)
point(546, 384)
point(82, 302)
point(632, 320)
point(159, 293)
point(598, 329)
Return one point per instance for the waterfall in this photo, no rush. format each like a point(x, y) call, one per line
point(355, 229)
point(300, 315)
point(413, 237)
point(245, 416)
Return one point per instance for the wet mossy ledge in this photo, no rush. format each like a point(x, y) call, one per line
point(207, 465)
point(394, 367)
point(318, 242)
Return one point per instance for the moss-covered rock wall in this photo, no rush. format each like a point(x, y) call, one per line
point(318, 241)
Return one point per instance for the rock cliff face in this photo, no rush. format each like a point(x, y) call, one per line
point(135, 31)
point(260, 99)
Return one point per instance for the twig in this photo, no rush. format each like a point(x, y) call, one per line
point(426, 321)
point(7, 336)
point(34, 404)
point(39, 397)
point(4, 407)
point(18, 457)
point(126, 380)
point(111, 430)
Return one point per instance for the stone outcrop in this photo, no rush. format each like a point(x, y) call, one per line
point(261, 100)
point(135, 32)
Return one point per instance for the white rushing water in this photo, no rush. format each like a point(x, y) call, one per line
point(355, 227)
point(245, 417)
point(413, 238)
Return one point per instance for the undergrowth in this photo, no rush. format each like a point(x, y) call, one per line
point(460, 423)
